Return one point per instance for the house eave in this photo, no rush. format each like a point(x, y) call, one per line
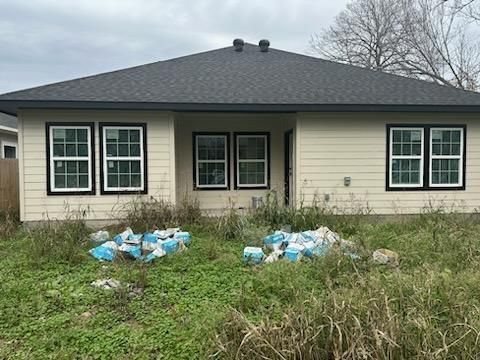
point(7, 129)
point(12, 107)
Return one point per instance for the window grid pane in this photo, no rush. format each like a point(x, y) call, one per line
point(70, 142)
point(70, 158)
point(211, 148)
point(406, 157)
point(446, 157)
point(446, 142)
point(251, 148)
point(407, 142)
point(405, 171)
point(123, 142)
point(252, 160)
point(123, 158)
point(252, 173)
point(211, 160)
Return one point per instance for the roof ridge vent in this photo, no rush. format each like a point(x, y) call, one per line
point(238, 44)
point(264, 44)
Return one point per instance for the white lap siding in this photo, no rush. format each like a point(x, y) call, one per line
point(36, 205)
point(331, 146)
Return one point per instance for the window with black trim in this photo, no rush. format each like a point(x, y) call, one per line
point(406, 161)
point(426, 157)
point(70, 157)
point(252, 160)
point(9, 150)
point(446, 160)
point(123, 158)
point(211, 160)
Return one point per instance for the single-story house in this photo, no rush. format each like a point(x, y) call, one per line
point(227, 125)
point(8, 137)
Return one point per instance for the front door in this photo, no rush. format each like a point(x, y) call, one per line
point(288, 145)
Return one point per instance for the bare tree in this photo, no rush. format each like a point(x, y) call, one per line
point(424, 39)
point(468, 8)
point(367, 33)
point(441, 49)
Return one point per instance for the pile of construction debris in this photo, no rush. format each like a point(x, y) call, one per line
point(294, 246)
point(147, 246)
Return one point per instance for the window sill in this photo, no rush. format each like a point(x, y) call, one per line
point(70, 193)
point(123, 192)
point(226, 188)
point(252, 187)
point(436, 188)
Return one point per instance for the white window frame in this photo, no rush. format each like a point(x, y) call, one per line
point(54, 158)
point(447, 157)
point(197, 162)
point(106, 159)
point(407, 157)
point(238, 161)
point(11, 144)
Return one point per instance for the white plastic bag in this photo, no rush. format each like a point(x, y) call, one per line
point(100, 236)
point(274, 256)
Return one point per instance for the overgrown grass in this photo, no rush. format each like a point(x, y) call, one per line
point(205, 303)
point(144, 215)
point(59, 241)
point(9, 223)
point(335, 308)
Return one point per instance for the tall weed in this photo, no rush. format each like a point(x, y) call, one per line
point(59, 240)
point(143, 215)
point(9, 223)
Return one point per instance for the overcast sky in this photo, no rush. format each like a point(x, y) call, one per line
point(44, 41)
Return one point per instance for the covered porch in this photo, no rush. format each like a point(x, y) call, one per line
point(225, 159)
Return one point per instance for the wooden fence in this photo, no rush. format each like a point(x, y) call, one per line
point(9, 199)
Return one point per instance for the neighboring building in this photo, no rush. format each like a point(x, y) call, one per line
point(229, 124)
point(8, 136)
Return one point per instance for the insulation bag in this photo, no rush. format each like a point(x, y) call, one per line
point(183, 236)
point(307, 236)
point(100, 236)
point(134, 251)
point(253, 255)
point(155, 254)
point(291, 238)
point(103, 253)
point(122, 237)
point(293, 252)
point(273, 241)
point(321, 249)
point(134, 239)
point(170, 246)
point(149, 242)
point(308, 248)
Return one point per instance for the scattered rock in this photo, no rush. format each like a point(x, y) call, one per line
point(135, 291)
point(106, 284)
point(386, 257)
point(86, 315)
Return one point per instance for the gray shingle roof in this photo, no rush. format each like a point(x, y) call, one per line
point(8, 121)
point(226, 77)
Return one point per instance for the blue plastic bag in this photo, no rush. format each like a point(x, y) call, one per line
point(183, 236)
point(133, 250)
point(253, 255)
point(118, 239)
point(150, 241)
point(321, 250)
point(170, 246)
point(103, 253)
point(294, 252)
